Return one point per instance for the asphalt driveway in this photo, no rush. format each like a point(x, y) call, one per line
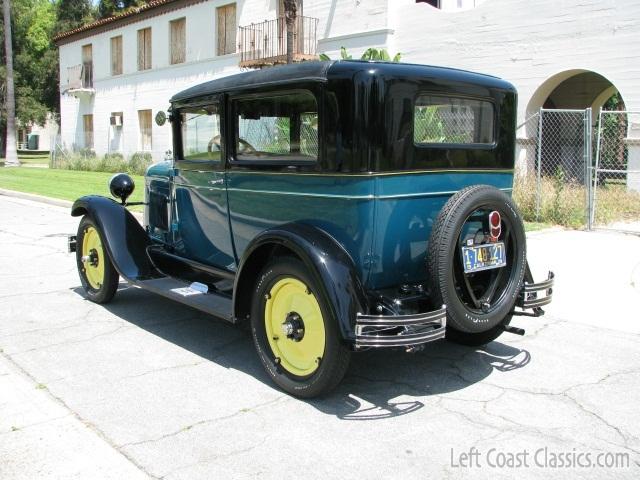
point(144, 387)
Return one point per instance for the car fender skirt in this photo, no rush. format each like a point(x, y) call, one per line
point(126, 241)
point(327, 261)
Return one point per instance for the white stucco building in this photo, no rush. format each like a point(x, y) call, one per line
point(116, 74)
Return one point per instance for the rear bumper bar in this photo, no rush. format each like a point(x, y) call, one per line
point(400, 330)
point(536, 295)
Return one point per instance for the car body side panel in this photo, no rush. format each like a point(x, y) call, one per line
point(338, 204)
point(202, 225)
point(406, 207)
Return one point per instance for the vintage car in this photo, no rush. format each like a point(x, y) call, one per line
point(332, 207)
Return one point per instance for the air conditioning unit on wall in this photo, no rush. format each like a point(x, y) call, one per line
point(116, 120)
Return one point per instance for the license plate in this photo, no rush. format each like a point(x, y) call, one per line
point(483, 257)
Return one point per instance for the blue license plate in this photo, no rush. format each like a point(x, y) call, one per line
point(483, 257)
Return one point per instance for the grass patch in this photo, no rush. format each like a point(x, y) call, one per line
point(565, 203)
point(62, 184)
point(534, 226)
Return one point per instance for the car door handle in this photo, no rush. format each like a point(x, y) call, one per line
point(218, 181)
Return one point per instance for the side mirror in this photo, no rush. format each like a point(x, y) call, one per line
point(121, 186)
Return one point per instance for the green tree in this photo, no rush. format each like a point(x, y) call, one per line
point(71, 14)
point(35, 57)
point(11, 156)
point(109, 8)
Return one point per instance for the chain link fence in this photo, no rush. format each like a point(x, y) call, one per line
point(616, 193)
point(552, 175)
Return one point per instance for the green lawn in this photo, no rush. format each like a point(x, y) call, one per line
point(62, 184)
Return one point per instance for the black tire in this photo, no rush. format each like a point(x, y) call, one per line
point(467, 323)
point(105, 289)
point(335, 359)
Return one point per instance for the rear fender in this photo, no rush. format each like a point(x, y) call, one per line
point(327, 261)
point(126, 240)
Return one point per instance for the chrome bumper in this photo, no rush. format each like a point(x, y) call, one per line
point(530, 295)
point(400, 330)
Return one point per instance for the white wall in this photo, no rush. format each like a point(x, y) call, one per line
point(526, 42)
point(531, 44)
point(150, 89)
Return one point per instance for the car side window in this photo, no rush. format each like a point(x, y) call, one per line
point(201, 137)
point(277, 128)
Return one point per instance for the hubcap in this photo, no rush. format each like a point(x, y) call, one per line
point(294, 327)
point(92, 258)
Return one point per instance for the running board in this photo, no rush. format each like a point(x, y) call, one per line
point(178, 290)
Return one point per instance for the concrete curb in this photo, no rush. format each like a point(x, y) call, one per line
point(36, 198)
point(48, 200)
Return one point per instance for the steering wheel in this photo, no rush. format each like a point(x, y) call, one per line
point(244, 146)
point(214, 141)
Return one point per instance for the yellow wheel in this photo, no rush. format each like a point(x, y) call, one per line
point(295, 327)
point(97, 274)
point(294, 331)
point(93, 257)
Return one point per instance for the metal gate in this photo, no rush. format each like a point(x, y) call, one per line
point(553, 178)
point(615, 200)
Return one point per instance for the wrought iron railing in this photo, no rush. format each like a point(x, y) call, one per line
point(265, 43)
point(80, 76)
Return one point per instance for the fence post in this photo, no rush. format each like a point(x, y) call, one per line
point(595, 171)
point(539, 173)
point(587, 162)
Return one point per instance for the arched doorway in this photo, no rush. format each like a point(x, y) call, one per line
point(573, 89)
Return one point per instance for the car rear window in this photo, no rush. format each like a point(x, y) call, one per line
point(277, 128)
point(441, 120)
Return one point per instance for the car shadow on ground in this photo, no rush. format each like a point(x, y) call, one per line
point(379, 383)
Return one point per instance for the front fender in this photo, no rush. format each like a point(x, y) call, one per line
point(126, 241)
point(327, 261)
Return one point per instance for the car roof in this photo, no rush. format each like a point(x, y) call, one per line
point(323, 70)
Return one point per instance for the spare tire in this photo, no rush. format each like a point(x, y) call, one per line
point(479, 302)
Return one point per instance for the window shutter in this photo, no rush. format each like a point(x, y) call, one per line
point(140, 49)
point(147, 47)
point(178, 40)
point(221, 30)
point(116, 55)
point(230, 29)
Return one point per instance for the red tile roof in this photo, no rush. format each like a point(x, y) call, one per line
point(116, 18)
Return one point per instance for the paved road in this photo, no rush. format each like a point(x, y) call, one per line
point(147, 388)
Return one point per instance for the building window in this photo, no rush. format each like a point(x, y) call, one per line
point(87, 123)
point(144, 119)
point(277, 128)
point(144, 49)
point(226, 29)
point(445, 120)
point(116, 55)
point(87, 66)
point(177, 40)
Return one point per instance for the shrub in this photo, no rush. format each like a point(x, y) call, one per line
point(139, 163)
point(565, 203)
point(87, 161)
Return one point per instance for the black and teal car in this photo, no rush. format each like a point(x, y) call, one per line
point(333, 207)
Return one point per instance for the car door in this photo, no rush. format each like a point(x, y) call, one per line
point(201, 227)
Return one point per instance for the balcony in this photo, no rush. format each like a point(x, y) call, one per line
point(80, 80)
point(265, 44)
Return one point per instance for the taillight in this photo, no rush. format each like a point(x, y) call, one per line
point(495, 225)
